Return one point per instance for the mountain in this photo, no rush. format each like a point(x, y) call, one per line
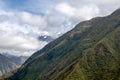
point(18, 60)
point(6, 65)
point(45, 38)
point(90, 51)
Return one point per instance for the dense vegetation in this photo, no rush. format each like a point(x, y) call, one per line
point(91, 51)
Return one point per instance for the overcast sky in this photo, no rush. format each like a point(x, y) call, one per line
point(23, 21)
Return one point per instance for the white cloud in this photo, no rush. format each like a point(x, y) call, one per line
point(19, 29)
point(17, 42)
point(100, 2)
point(31, 19)
point(20, 43)
point(105, 6)
point(87, 12)
point(84, 12)
point(65, 8)
point(19, 38)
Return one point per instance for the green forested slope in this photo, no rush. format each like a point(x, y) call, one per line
point(91, 51)
point(100, 62)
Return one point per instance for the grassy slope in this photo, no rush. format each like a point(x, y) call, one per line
point(77, 55)
point(101, 62)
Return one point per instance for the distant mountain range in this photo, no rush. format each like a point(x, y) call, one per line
point(6, 65)
point(19, 60)
point(9, 62)
point(91, 51)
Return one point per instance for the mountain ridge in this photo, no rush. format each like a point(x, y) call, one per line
point(90, 51)
point(6, 65)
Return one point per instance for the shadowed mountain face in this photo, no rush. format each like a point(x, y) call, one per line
point(45, 38)
point(6, 65)
point(91, 51)
point(18, 60)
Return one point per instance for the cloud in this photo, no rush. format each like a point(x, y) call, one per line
point(105, 7)
point(87, 12)
point(3, 18)
point(65, 9)
point(18, 42)
point(31, 19)
point(22, 22)
point(84, 12)
point(17, 37)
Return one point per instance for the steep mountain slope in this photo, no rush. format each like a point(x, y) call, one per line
point(91, 51)
point(100, 62)
point(6, 65)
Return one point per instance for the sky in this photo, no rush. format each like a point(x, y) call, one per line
point(23, 21)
